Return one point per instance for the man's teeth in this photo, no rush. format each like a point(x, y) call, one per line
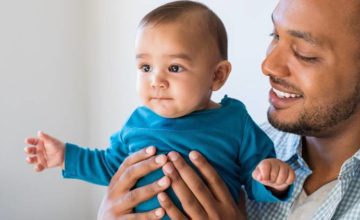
point(281, 94)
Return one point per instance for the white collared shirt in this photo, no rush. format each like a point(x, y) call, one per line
point(341, 202)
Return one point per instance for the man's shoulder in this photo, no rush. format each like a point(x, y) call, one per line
point(286, 144)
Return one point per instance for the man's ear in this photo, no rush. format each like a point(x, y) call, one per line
point(221, 74)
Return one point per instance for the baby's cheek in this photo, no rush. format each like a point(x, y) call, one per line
point(142, 93)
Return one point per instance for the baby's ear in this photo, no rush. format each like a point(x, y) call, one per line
point(221, 74)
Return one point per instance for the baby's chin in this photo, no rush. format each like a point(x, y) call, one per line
point(167, 113)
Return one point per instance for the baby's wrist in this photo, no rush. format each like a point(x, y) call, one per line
point(279, 191)
point(62, 159)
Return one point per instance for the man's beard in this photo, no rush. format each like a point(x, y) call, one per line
point(319, 118)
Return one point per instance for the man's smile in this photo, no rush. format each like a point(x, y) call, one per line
point(281, 99)
point(282, 94)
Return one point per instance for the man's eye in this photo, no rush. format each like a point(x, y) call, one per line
point(306, 59)
point(175, 68)
point(145, 68)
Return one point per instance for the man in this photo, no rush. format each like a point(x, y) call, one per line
point(313, 64)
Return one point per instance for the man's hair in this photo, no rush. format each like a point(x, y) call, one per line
point(172, 11)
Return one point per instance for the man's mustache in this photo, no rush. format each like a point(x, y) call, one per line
point(285, 84)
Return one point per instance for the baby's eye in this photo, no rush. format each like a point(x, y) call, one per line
point(175, 68)
point(145, 68)
point(274, 35)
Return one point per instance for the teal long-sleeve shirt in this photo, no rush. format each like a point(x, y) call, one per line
point(226, 136)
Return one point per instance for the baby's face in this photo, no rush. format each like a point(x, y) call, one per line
point(175, 68)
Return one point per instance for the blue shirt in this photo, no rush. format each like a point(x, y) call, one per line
point(226, 136)
point(343, 201)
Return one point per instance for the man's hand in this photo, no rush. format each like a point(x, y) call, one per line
point(275, 174)
point(44, 152)
point(211, 200)
point(120, 199)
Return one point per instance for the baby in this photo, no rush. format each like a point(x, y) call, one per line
point(181, 56)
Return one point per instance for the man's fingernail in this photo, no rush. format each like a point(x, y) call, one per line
point(160, 159)
point(162, 197)
point(168, 168)
point(194, 155)
point(159, 212)
point(173, 156)
point(150, 150)
point(163, 181)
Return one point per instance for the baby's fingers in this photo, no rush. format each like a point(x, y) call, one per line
point(37, 164)
point(31, 159)
point(32, 141)
point(39, 167)
point(266, 171)
point(291, 177)
point(31, 150)
point(257, 175)
point(283, 175)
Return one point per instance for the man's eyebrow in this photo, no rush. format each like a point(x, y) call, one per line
point(306, 36)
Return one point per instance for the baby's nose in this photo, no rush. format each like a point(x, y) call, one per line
point(159, 82)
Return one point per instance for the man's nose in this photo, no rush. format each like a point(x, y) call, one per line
point(159, 81)
point(276, 61)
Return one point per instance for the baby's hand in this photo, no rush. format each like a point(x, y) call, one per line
point(44, 152)
point(275, 174)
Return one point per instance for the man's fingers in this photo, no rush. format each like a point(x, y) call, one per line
point(171, 210)
point(136, 171)
point(189, 202)
point(154, 214)
point(138, 195)
point(193, 181)
point(139, 156)
point(133, 159)
point(214, 181)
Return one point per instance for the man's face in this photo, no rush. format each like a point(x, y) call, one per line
point(175, 63)
point(313, 66)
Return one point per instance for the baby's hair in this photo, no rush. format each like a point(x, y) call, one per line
point(172, 11)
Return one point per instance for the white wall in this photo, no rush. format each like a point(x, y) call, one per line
point(43, 85)
point(67, 67)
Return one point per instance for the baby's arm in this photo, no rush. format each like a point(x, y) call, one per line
point(44, 152)
point(275, 174)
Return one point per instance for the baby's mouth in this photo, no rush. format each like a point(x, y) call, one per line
point(161, 98)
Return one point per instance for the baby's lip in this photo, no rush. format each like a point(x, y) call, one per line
point(161, 98)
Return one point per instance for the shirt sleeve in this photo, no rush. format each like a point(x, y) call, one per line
point(254, 147)
point(94, 165)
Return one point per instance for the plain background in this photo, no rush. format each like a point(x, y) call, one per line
point(67, 68)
